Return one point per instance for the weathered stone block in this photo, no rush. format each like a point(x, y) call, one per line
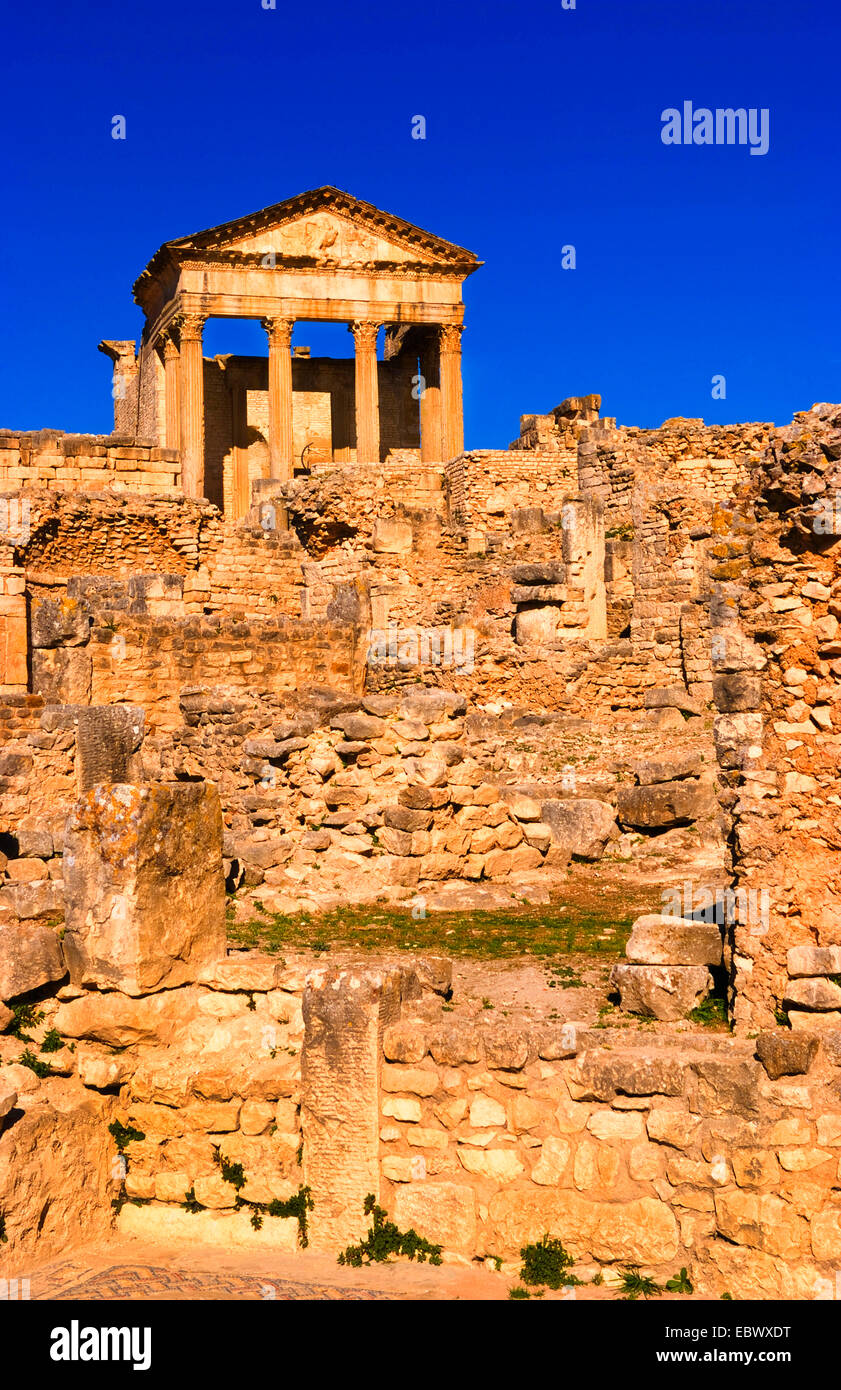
point(813, 960)
point(640, 1232)
point(601, 1075)
point(657, 939)
point(62, 675)
point(669, 769)
point(667, 992)
point(818, 994)
point(144, 886)
point(30, 957)
point(345, 1017)
point(783, 1055)
point(443, 1212)
point(580, 826)
point(663, 805)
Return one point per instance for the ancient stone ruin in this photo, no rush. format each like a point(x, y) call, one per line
point(280, 648)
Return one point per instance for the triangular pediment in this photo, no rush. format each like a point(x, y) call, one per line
point(329, 237)
point(326, 226)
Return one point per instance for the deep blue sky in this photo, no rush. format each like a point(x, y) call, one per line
point(543, 129)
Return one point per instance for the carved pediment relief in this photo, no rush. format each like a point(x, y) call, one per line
point(329, 239)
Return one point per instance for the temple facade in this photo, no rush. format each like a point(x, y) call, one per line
point(323, 256)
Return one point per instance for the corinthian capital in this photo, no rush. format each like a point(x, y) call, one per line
point(450, 337)
point(364, 333)
point(168, 345)
point(190, 327)
point(278, 331)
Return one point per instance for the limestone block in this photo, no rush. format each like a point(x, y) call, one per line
point(602, 1075)
point(783, 1055)
point(392, 536)
point(144, 886)
point(524, 808)
point(813, 960)
point(101, 1071)
point(345, 1017)
point(443, 1212)
point(818, 994)
point(502, 1165)
point(673, 1127)
point(506, 1049)
point(405, 1041)
point(212, 1192)
point(13, 641)
point(640, 1232)
point(486, 1113)
point(537, 624)
point(418, 1082)
point(657, 939)
point(118, 1020)
point(664, 805)
point(171, 1225)
point(56, 1176)
point(667, 992)
point(669, 769)
point(245, 970)
point(424, 1137)
point(58, 622)
point(762, 1221)
point(31, 900)
point(581, 827)
point(62, 675)
point(552, 1163)
point(435, 973)
point(403, 1108)
point(30, 956)
point(616, 1124)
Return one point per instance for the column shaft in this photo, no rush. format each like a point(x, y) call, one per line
point(452, 421)
point(172, 424)
point(191, 397)
point(279, 332)
point(367, 393)
point(430, 401)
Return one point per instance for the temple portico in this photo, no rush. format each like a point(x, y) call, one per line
point(321, 257)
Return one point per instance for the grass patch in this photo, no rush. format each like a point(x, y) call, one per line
point(712, 1013)
point(557, 929)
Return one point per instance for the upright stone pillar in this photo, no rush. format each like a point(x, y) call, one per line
point(430, 401)
point(345, 1015)
point(172, 424)
point(144, 886)
point(452, 421)
point(279, 332)
point(13, 627)
point(124, 387)
point(367, 393)
point(191, 400)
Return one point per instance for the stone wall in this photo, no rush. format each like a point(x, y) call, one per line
point(86, 463)
point(663, 1152)
point(775, 648)
point(484, 485)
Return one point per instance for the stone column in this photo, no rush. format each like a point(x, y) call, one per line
point(345, 1015)
point(191, 402)
point(452, 422)
point(279, 332)
point(367, 393)
point(430, 400)
point(172, 424)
